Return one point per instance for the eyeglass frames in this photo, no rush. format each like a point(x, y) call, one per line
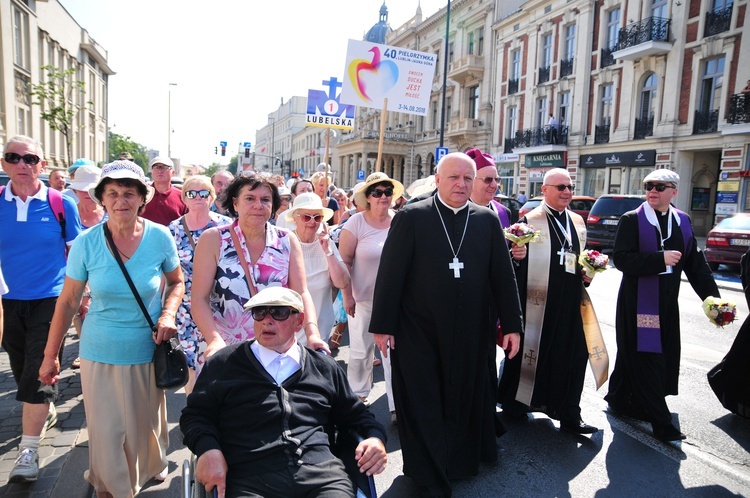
point(660, 187)
point(30, 159)
point(192, 194)
point(561, 188)
point(307, 218)
point(489, 179)
point(278, 313)
point(160, 166)
point(378, 193)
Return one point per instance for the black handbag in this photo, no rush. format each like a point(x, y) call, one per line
point(170, 360)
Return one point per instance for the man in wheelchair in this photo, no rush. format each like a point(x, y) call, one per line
point(262, 413)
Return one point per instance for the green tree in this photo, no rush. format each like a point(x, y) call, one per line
point(232, 166)
point(213, 168)
point(60, 98)
point(123, 143)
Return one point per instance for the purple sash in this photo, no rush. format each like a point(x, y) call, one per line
point(647, 317)
point(502, 213)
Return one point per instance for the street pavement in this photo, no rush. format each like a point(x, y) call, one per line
point(535, 458)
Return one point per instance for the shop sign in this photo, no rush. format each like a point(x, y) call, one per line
point(728, 197)
point(730, 186)
point(507, 158)
point(629, 158)
point(549, 160)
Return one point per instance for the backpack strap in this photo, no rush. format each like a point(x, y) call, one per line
point(56, 203)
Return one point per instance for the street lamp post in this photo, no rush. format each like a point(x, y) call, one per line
point(273, 143)
point(169, 122)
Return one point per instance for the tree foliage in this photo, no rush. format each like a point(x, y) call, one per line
point(232, 166)
point(123, 143)
point(60, 97)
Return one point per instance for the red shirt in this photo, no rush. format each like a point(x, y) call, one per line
point(165, 207)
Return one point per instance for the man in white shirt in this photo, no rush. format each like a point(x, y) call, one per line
point(552, 124)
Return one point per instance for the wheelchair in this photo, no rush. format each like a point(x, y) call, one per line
point(344, 447)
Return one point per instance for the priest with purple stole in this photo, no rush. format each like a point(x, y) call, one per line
point(445, 265)
point(653, 246)
point(485, 185)
point(561, 330)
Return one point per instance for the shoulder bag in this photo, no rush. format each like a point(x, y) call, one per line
point(170, 361)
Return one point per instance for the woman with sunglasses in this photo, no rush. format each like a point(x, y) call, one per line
point(323, 265)
point(232, 263)
point(198, 194)
point(361, 244)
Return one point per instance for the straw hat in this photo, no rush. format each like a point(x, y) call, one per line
point(360, 197)
point(308, 200)
point(118, 170)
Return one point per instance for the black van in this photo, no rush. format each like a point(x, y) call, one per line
point(601, 224)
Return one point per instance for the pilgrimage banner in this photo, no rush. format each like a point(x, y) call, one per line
point(324, 108)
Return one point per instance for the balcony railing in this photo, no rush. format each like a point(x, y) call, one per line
point(508, 146)
point(543, 74)
point(718, 21)
point(512, 87)
point(607, 57)
point(566, 67)
point(739, 108)
point(535, 137)
point(601, 134)
point(706, 122)
point(643, 128)
point(651, 29)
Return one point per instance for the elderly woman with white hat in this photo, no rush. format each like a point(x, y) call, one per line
point(323, 265)
point(125, 411)
point(361, 245)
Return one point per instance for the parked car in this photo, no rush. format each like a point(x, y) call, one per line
point(513, 204)
point(728, 241)
point(580, 204)
point(605, 214)
point(4, 178)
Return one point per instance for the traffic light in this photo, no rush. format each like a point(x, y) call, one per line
point(247, 152)
point(216, 150)
point(223, 151)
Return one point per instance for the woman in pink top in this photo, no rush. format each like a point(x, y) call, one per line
point(361, 245)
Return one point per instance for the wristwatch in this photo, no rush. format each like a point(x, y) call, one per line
point(87, 294)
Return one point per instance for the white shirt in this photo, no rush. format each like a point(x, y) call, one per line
point(280, 366)
point(3, 286)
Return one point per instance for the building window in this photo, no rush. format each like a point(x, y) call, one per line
point(563, 110)
point(707, 115)
point(450, 52)
point(644, 123)
point(471, 43)
point(601, 131)
point(474, 102)
point(719, 18)
point(448, 109)
point(613, 28)
point(435, 123)
point(437, 62)
point(570, 42)
point(21, 38)
point(511, 129)
point(659, 8)
point(541, 112)
point(480, 42)
point(515, 65)
point(547, 50)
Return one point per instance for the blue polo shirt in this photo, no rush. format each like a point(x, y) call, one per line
point(31, 245)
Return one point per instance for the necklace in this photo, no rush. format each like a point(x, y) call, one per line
point(566, 233)
point(455, 265)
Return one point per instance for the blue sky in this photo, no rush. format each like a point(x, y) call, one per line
point(232, 61)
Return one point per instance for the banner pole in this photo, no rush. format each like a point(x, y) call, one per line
point(382, 132)
point(328, 167)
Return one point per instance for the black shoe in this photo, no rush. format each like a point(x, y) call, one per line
point(577, 427)
point(627, 411)
point(667, 432)
point(515, 409)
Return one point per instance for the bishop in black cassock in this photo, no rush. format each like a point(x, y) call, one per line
point(444, 330)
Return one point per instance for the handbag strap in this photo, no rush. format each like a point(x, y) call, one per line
point(116, 253)
point(187, 232)
point(241, 256)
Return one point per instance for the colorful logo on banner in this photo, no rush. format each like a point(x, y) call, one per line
point(377, 72)
point(324, 109)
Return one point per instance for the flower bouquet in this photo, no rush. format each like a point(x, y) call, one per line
point(593, 261)
point(719, 311)
point(521, 234)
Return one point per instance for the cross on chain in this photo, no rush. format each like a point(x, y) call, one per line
point(598, 353)
point(561, 252)
point(530, 356)
point(456, 266)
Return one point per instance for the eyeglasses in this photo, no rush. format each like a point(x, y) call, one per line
point(30, 159)
point(660, 187)
point(278, 313)
point(192, 194)
point(378, 193)
point(307, 218)
point(287, 198)
point(490, 179)
point(161, 166)
point(561, 188)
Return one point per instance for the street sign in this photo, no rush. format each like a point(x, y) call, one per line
point(360, 175)
point(223, 144)
point(440, 152)
point(246, 145)
point(301, 172)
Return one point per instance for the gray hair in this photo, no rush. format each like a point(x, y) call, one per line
point(23, 139)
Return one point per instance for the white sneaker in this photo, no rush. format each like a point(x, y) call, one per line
point(50, 422)
point(26, 467)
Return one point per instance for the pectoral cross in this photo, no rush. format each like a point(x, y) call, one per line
point(561, 252)
point(598, 353)
point(530, 356)
point(456, 266)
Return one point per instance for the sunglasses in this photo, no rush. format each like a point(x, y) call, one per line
point(660, 187)
point(278, 313)
point(160, 166)
point(561, 188)
point(192, 194)
point(378, 193)
point(490, 179)
point(29, 159)
point(307, 218)
point(287, 198)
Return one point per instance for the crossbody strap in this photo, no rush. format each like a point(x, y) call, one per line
point(243, 262)
point(187, 232)
point(116, 253)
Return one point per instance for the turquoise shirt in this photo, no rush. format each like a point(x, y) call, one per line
point(115, 330)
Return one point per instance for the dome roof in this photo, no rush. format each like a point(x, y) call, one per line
point(378, 32)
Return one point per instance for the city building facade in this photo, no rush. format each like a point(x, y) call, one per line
point(273, 143)
point(36, 34)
